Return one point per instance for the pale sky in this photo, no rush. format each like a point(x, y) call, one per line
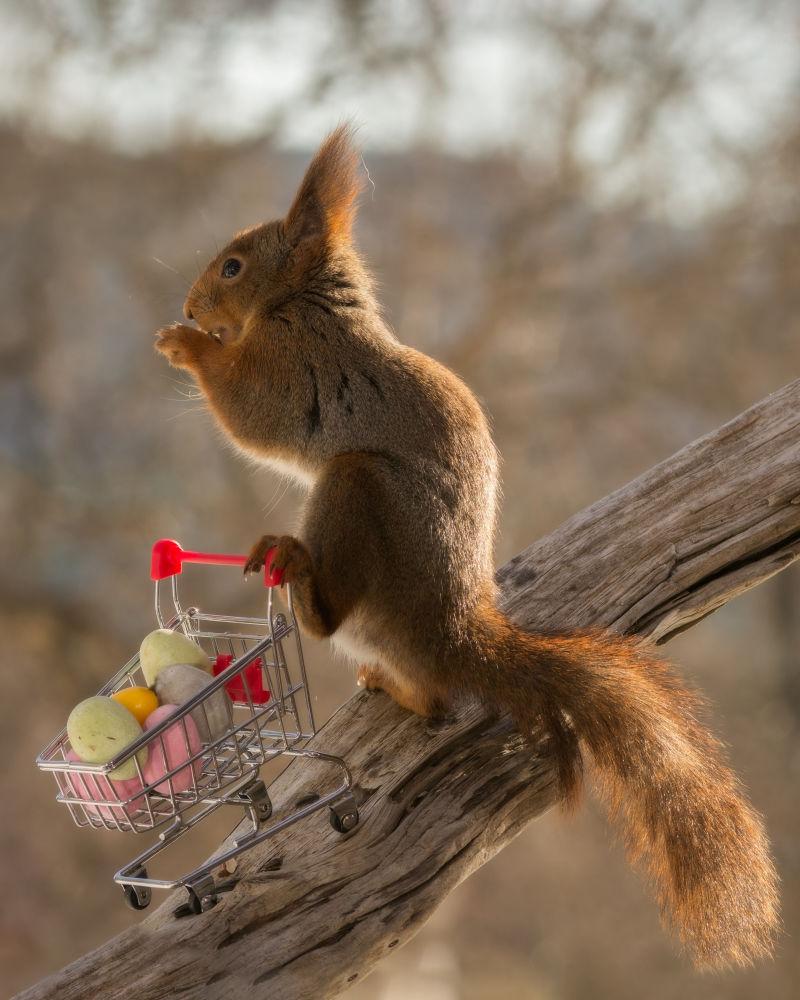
point(501, 88)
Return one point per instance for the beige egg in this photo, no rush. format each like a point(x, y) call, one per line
point(179, 682)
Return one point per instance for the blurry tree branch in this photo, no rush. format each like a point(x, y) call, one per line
point(309, 913)
point(638, 75)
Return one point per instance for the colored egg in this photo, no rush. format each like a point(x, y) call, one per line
point(179, 682)
point(164, 647)
point(140, 701)
point(99, 729)
point(89, 787)
point(176, 744)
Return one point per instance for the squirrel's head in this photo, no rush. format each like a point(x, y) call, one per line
point(265, 266)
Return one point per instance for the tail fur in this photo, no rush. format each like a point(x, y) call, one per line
point(664, 777)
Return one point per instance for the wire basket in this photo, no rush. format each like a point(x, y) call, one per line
point(196, 760)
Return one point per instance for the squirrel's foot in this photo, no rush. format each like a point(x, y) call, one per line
point(290, 556)
point(370, 678)
point(183, 345)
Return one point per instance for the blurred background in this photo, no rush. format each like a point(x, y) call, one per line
point(588, 208)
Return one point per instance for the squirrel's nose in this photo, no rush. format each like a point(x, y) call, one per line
point(187, 311)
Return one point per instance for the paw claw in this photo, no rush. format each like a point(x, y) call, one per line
point(258, 554)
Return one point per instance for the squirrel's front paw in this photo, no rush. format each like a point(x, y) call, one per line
point(289, 555)
point(181, 345)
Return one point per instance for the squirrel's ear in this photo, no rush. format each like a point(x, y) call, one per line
point(325, 205)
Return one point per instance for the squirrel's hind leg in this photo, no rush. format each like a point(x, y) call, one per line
point(422, 700)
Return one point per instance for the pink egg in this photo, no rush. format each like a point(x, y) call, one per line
point(174, 741)
point(97, 786)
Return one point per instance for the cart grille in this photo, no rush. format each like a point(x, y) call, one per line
point(257, 732)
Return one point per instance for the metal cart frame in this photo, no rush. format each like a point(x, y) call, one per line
point(224, 771)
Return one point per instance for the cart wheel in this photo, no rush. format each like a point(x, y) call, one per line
point(137, 897)
point(193, 902)
point(197, 905)
point(345, 821)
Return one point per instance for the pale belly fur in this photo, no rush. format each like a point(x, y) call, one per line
point(349, 641)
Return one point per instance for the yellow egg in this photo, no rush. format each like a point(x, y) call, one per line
point(140, 701)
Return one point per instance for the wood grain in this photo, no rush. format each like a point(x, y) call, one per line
point(310, 912)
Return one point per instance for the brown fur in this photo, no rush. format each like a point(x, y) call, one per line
point(394, 557)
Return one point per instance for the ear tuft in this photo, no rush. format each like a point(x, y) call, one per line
point(325, 205)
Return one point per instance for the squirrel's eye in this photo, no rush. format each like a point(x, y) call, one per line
point(231, 267)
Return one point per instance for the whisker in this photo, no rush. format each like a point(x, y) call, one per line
point(183, 413)
point(190, 396)
point(174, 270)
point(369, 179)
point(276, 499)
point(187, 390)
point(169, 267)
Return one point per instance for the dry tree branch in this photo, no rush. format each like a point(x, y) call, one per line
point(311, 912)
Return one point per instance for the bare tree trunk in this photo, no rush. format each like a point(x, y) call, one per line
point(311, 912)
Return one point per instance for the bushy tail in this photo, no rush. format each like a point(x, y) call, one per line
point(681, 809)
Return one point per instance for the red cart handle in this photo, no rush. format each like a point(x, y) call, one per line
point(168, 559)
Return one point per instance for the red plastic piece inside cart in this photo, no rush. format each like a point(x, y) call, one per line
point(236, 687)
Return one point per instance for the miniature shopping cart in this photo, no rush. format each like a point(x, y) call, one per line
point(259, 661)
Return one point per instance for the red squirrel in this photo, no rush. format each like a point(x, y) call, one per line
point(394, 559)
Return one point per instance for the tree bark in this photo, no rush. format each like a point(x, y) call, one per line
point(312, 911)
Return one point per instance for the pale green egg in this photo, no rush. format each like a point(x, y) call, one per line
point(99, 729)
point(164, 647)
